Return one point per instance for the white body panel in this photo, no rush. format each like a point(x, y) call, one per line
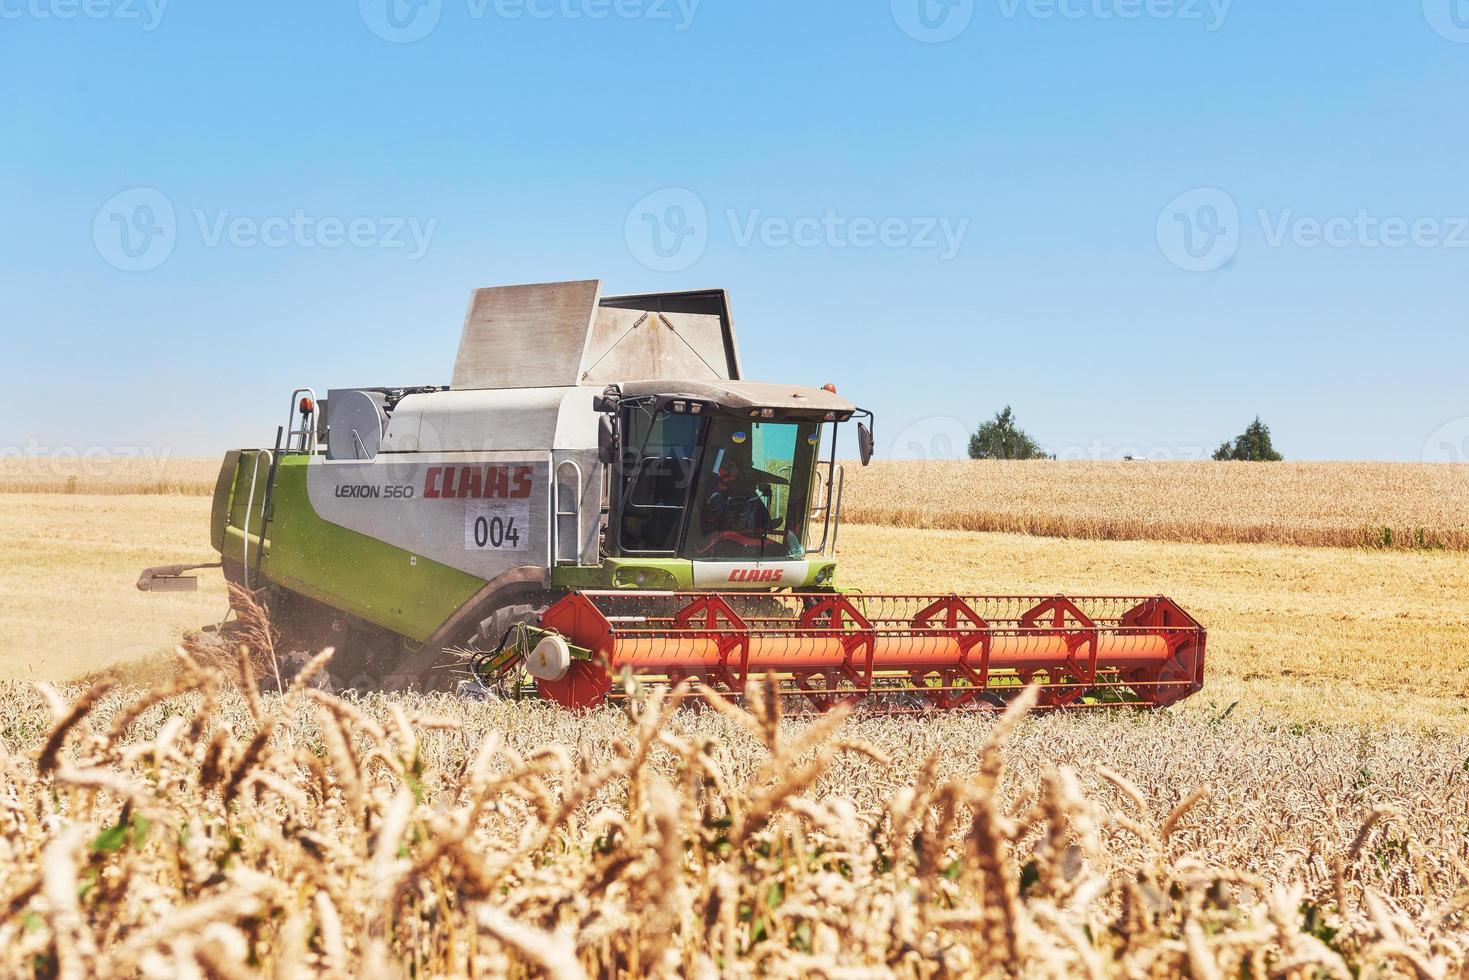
point(504, 420)
point(482, 513)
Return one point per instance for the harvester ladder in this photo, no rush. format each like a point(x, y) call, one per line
point(303, 435)
point(564, 514)
point(269, 459)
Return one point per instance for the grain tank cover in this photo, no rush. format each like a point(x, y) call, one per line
point(564, 334)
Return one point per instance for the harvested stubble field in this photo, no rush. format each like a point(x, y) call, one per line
point(1374, 505)
point(191, 831)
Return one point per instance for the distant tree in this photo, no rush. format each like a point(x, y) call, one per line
point(1001, 438)
point(1252, 446)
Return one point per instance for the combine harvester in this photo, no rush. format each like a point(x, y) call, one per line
point(601, 492)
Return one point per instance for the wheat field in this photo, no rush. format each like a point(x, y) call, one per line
point(1304, 817)
point(190, 831)
point(1376, 505)
point(83, 472)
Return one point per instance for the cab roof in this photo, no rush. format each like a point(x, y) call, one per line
point(742, 396)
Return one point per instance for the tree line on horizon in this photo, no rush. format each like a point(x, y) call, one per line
point(1002, 438)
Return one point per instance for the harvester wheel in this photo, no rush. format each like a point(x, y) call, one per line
point(364, 654)
point(493, 628)
point(440, 663)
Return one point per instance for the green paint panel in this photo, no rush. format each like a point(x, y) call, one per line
point(224, 494)
point(387, 586)
point(627, 573)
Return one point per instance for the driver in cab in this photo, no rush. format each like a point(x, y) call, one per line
point(734, 517)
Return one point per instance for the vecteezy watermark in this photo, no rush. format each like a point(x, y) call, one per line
point(148, 14)
point(944, 437)
point(301, 229)
point(137, 230)
point(1450, 18)
point(937, 21)
point(670, 229)
point(406, 21)
point(1200, 231)
point(1363, 230)
point(1449, 442)
point(401, 21)
point(1210, 13)
point(933, 21)
point(84, 460)
point(1099, 450)
point(941, 437)
point(832, 229)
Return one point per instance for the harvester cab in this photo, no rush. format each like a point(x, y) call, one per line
point(600, 492)
point(726, 477)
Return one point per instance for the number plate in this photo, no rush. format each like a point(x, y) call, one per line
point(497, 525)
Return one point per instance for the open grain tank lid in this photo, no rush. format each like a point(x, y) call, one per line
point(563, 334)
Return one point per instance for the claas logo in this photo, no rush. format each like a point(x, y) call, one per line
point(478, 482)
point(757, 574)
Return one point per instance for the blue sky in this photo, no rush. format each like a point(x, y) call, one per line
point(1140, 222)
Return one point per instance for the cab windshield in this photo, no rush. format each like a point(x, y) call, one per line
point(752, 491)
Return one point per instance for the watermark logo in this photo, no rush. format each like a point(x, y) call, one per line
point(86, 460)
point(406, 21)
point(136, 231)
point(834, 230)
point(1099, 450)
point(1363, 230)
point(668, 230)
point(146, 13)
point(1449, 443)
point(301, 229)
point(679, 13)
point(1199, 230)
point(935, 437)
point(1449, 18)
point(933, 21)
point(401, 21)
point(1211, 13)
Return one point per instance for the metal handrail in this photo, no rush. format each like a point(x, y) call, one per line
point(269, 457)
point(307, 433)
point(819, 510)
point(829, 511)
point(836, 523)
point(560, 513)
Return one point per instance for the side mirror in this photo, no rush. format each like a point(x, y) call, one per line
point(864, 442)
point(606, 441)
